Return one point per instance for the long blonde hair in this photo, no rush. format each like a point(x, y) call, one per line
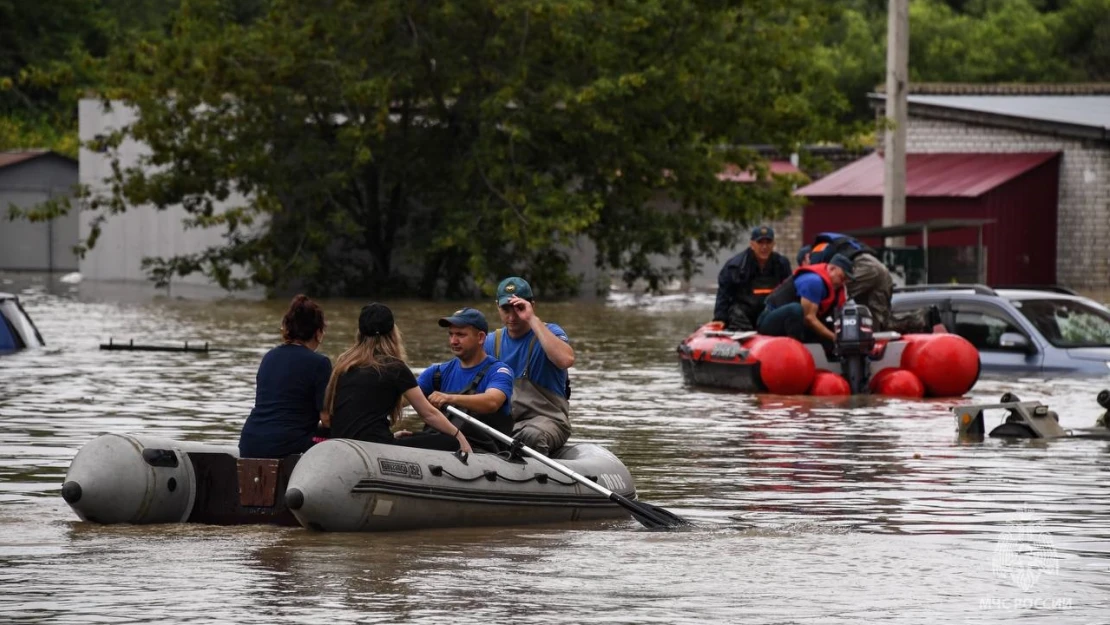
point(368, 351)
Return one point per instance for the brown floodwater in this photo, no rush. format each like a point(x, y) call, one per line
point(805, 510)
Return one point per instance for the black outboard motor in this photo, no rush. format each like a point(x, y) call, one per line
point(854, 342)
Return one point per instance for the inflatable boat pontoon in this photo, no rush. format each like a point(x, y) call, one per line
point(338, 485)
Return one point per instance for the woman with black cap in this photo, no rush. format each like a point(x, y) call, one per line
point(371, 381)
point(289, 387)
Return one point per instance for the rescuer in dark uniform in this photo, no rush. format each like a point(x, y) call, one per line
point(747, 279)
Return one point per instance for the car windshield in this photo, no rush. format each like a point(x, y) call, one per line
point(1068, 323)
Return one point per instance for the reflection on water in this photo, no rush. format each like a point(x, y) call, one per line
point(844, 511)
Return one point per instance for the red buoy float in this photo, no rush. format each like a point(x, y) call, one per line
point(785, 366)
point(829, 384)
point(895, 382)
point(947, 364)
point(877, 379)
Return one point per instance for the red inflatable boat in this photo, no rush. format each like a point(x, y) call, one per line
point(886, 363)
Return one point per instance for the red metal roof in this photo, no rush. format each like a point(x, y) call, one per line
point(929, 175)
point(11, 158)
point(733, 173)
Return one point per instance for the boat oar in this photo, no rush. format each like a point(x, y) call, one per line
point(647, 514)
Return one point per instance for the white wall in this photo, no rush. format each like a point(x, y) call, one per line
point(140, 232)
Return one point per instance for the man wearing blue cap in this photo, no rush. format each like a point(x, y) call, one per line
point(873, 286)
point(797, 306)
point(473, 382)
point(747, 279)
point(539, 354)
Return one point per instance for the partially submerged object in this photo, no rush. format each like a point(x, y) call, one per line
point(130, 346)
point(17, 331)
point(1026, 419)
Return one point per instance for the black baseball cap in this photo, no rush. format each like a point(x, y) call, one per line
point(375, 320)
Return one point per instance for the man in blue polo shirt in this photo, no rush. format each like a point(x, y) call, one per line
point(539, 354)
point(473, 381)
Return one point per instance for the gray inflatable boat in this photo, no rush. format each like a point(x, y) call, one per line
point(338, 485)
point(345, 485)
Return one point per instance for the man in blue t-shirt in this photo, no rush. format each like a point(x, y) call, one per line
point(473, 382)
point(539, 354)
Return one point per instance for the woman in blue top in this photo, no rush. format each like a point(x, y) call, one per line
point(290, 387)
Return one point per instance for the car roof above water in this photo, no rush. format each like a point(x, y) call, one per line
point(953, 292)
point(975, 291)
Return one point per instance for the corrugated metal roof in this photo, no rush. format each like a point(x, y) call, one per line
point(929, 175)
point(1083, 110)
point(1005, 88)
point(11, 158)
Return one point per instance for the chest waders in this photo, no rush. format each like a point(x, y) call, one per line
point(542, 417)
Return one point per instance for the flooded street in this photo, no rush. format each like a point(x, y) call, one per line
point(805, 509)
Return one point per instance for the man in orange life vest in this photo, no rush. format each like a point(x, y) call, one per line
point(747, 279)
point(797, 307)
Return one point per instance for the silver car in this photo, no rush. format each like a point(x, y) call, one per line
point(1028, 329)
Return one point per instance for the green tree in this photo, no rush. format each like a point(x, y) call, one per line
point(48, 49)
point(468, 138)
point(972, 41)
point(1083, 37)
point(1006, 41)
point(38, 81)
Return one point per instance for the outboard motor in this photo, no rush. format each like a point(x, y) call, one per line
point(854, 341)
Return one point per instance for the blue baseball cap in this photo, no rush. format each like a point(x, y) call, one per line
point(511, 287)
point(465, 317)
point(840, 260)
point(763, 232)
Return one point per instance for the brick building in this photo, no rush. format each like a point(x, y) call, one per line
point(1073, 120)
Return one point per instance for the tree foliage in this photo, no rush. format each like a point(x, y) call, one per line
point(438, 145)
point(468, 139)
point(983, 41)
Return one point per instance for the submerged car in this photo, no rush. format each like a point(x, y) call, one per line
point(17, 331)
point(1021, 329)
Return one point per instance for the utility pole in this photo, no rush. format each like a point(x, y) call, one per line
point(894, 134)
